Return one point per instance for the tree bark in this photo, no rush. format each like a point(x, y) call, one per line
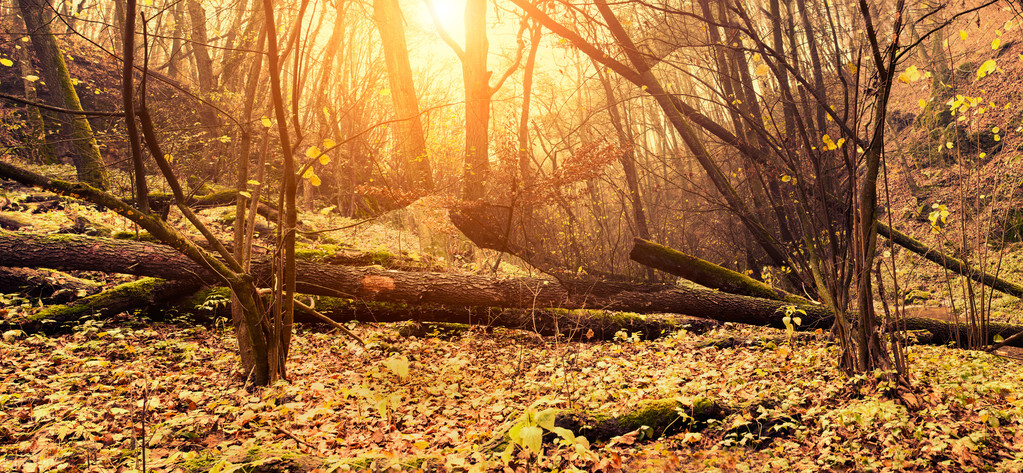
point(52, 285)
point(88, 162)
point(704, 272)
point(129, 296)
point(66, 252)
point(421, 289)
point(410, 136)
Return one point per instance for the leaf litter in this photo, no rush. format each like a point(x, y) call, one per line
point(90, 400)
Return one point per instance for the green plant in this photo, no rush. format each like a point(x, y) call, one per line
point(527, 435)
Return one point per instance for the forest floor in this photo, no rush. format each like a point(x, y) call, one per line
point(76, 402)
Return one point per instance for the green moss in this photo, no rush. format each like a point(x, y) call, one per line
point(916, 295)
point(652, 413)
point(133, 290)
point(200, 463)
point(935, 115)
point(142, 236)
point(441, 330)
point(319, 253)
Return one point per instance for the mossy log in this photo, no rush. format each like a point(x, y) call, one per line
point(662, 416)
point(950, 332)
point(652, 419)
point(704, 272)
point(579, 325)
point(14, 221)
point(162, 203)
point(143, 293)
point(953, 264)
point(67, 252)
point(52, 285)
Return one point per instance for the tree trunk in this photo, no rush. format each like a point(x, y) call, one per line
point(88, 162)
point(476, 167)
point(578, 325)
point(525, 153)
point(51, 285)
point(207, 82)
point(704, 272)
point(67, 252)
point(409, 131)
point(143, 293)
point(954, 264)
point(421, 289)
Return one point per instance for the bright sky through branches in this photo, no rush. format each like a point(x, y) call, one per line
point(451, 14)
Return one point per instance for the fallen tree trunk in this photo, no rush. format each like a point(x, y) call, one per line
point(578, 325)
point(76, 252)
point(145, 292)
point(652, 419)
point(954, 264)
point(68, 252)
point(705, 273)
point(51, 285)
point(223, 198)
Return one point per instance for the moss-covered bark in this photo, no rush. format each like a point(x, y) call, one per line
point(54, 286)
point(134, 295)
point(661, 416)
point(88, 162)
point(705, 273)
point(958, 266)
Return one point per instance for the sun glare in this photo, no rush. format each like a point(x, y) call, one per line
point(451, 14)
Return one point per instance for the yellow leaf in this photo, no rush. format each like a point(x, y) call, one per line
point(911, 74)
point(988, 67)
point(762, 70)
point(329, 143)
point(385, 92)
point(923, 103)
point(312, 152)
point(963, 35)
point(949, 145)
point(6, 62)
point(315, 180)
point(31, 78)
point(756, 57)
point(324, 159)
point(995, 130)
point(308, 173)
point(266, 122)
point(995, 43)
point(828, 141)
point(252, 182)
point(852, 67)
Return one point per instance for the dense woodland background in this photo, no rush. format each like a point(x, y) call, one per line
point(847, 173)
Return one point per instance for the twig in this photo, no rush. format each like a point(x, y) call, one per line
point(293, 437)
point(328, 320)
